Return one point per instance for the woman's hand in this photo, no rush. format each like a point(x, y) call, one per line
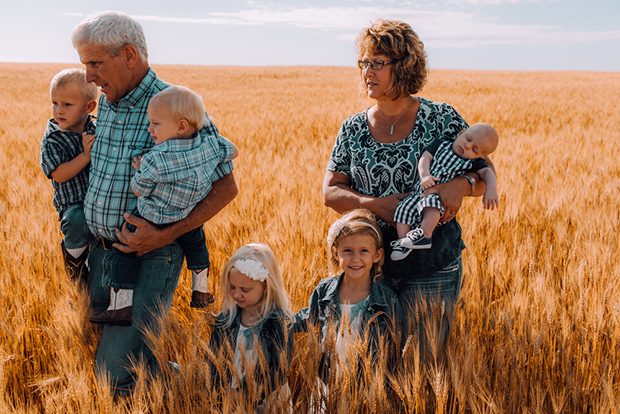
point(385, 207)
point(451, 195)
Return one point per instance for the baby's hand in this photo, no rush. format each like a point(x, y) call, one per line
point(490, 200)
point(427, 182)
point(88, 139)
point(136, 162)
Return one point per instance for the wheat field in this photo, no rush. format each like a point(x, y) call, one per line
point(537, 328)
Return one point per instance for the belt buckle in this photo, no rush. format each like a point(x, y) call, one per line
point(104, 244)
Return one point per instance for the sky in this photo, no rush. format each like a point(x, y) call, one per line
point(458, 34)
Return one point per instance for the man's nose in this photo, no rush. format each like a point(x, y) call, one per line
point(91, 75)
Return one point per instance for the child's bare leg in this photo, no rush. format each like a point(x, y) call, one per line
point(430, 218)
point(402, 230)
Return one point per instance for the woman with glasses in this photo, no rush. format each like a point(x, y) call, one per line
point(374, 165)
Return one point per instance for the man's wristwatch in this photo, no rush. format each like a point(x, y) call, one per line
point(472, 181)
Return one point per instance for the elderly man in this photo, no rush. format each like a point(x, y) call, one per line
point(112, 46)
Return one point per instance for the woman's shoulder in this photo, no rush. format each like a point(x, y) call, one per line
point(432, 106)
point(356, 118)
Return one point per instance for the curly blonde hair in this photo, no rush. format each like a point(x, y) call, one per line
point(358, 221)
point(398, 41)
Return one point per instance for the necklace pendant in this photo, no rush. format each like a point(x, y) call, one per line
point(391, 129)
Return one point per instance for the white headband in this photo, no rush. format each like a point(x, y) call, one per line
point(336, 228)
point(252, 269)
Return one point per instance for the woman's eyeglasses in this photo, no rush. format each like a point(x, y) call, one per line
point(375, 64)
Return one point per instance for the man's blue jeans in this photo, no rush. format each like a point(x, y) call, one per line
point(152, 297)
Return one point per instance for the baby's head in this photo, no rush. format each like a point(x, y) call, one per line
point(477, 141)
point(72, 99)
point(356, 229)
point(252, 280)
point(175, 113)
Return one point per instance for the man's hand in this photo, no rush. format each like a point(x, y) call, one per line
point(144, 239)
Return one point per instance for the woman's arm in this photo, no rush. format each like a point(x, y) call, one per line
point(453, 192)
point(338, 195)
point(148, 237)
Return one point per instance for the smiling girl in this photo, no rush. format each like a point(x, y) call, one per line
point(352, 305)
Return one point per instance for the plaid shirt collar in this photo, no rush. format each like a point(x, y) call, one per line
point(136, 95)
point(183, 144)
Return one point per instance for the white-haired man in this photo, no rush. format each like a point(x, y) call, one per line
point(113, 48)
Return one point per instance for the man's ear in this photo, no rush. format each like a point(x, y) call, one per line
point(183, 126)
point(130, 56)
point(90, 106)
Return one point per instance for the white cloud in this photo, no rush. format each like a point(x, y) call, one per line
point(436, 28)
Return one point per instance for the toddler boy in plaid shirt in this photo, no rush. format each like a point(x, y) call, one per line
point(65, 159)
point(169, 181)
point(441, 162)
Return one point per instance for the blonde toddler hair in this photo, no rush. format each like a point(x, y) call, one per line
point(274, 294)
point(74, 76)
point(183, 103)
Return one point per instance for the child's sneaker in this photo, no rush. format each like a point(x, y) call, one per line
point(399, 252)
point(415, 240)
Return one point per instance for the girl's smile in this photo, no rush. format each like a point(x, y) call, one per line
point(357, 254)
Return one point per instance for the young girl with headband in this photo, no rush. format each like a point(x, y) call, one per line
point(353, 305)
point(252, 328)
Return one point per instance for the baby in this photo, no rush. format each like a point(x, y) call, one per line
point(441, 162)
point(170, 180)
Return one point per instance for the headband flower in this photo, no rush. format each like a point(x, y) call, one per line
point(335, 230)
point(252, 269)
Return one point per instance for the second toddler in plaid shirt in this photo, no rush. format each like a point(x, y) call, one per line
point(170, 180)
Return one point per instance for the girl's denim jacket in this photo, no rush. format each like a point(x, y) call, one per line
point(381, 317)
point(272, 339)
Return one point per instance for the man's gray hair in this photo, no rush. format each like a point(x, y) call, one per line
point(110, 30)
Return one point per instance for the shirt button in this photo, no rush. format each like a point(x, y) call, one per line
point(114, 149)
point(100, 231)
point(99, 203)
point(107, 176)
point(120, 122)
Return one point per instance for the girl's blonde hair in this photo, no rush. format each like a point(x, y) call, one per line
point(183, 103)
point(359, 221)
point(274, 294)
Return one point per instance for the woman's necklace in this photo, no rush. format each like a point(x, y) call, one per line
point(392, 124)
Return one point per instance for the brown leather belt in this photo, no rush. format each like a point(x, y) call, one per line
point(107, 244)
